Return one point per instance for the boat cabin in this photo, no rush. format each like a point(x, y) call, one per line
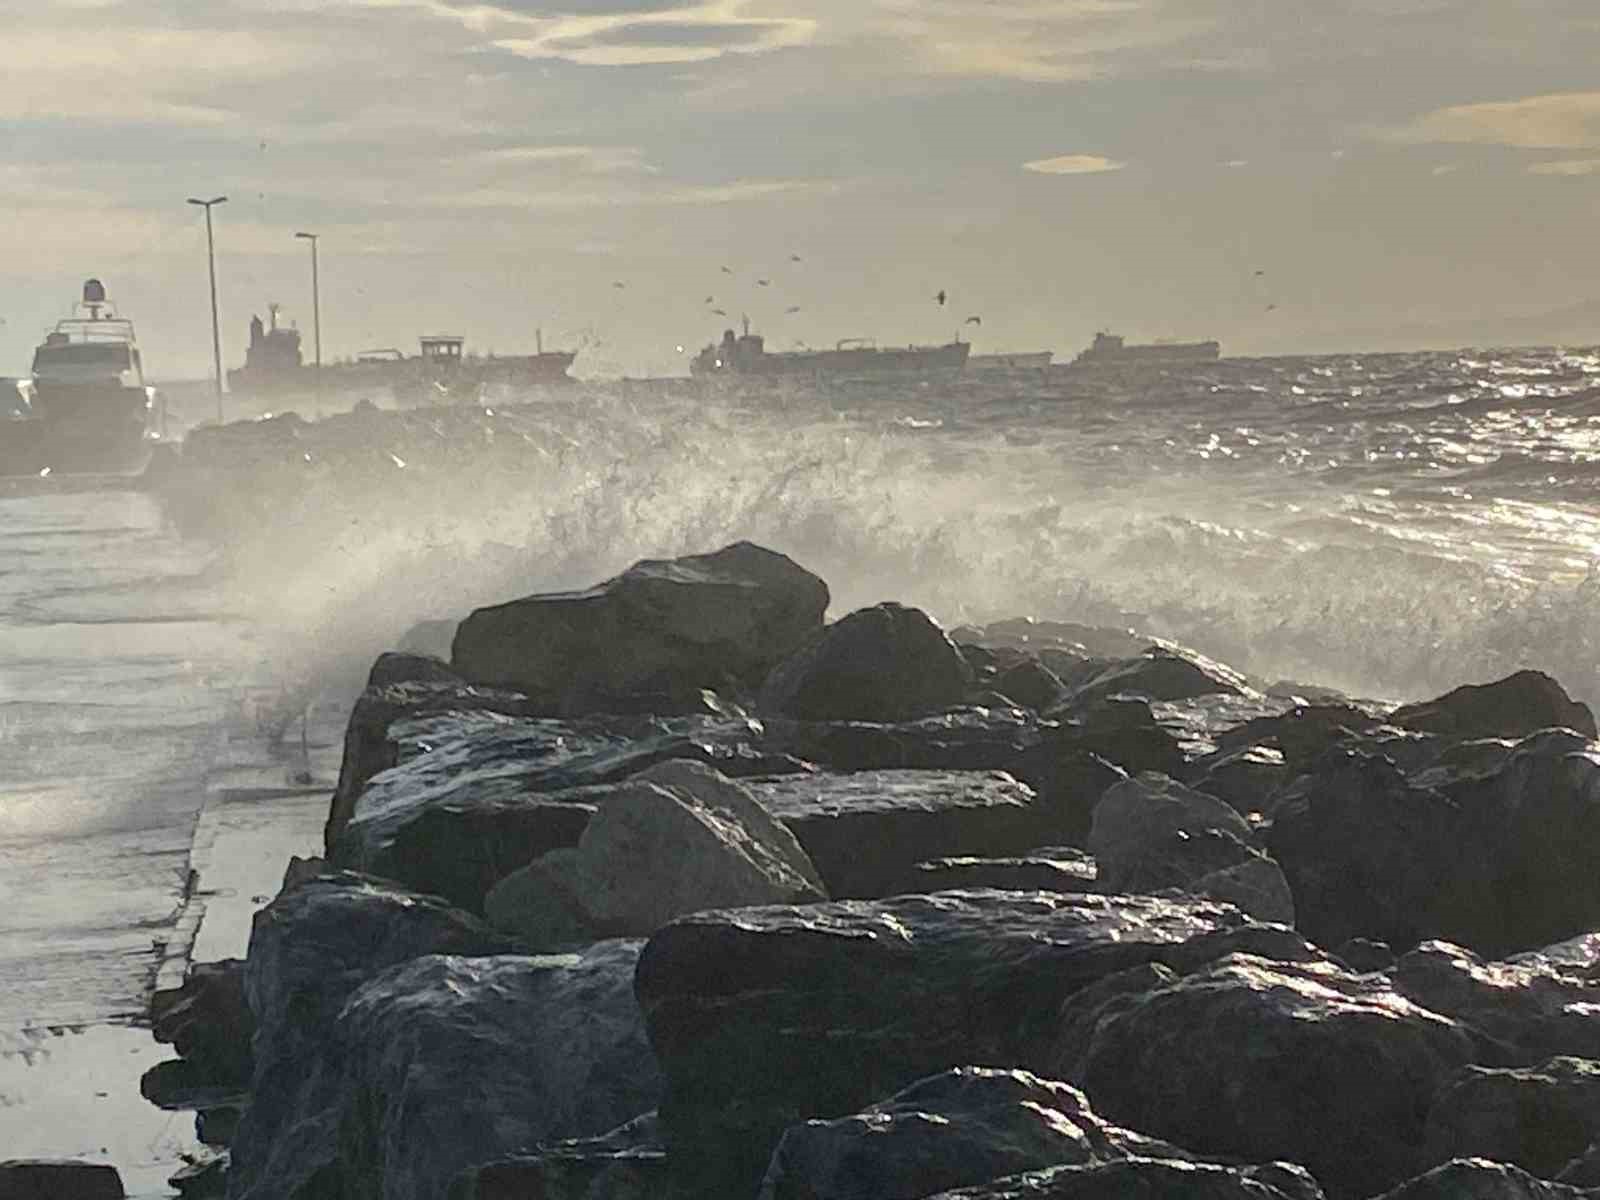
point(94, 346)
point(442, 350)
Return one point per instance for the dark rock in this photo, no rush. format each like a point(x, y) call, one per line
point(669, 625)
point(1461, 761)
point(1246, 779)
point(58, 1179)
point(1082, 1012)
point(962, 1127)
point(1047, 869)
point(429, 638)
point(202, 1177)
point(1149, 1179)
point(178, 1084)
point(628, 1163)
point(1583, 1171)
point(1362, 955)
point(1480, 1179)
point(542, 907)
point(1262, 1059)
point(1538, 1118)
point(676, 839)
point(395, 666)
point(1069, 782)
point(217, 1126)
point(1032, 684)
point(1512, 707)
point(443, 1062)
point(1161, 673)
point(763, 1017)
point(207, 1022)
point(885, 663)
point(867, 831)
point(1151, 833)
point(1123, 731)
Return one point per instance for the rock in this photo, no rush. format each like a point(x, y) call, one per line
point(628, 1163)
point(217, 1126)
point(202, 1177)
point(885, 663)
point(58, 1179)
point(1149, 1179)
point(762, 1017)
point(1032, 684)
point(1261, 1059)
point(1513, 707)
point(867, 831)
point(207, 1022)
point(1245, 779)
point(1480, 1179)
point(1123, 731)
point(961, 1127)
point(429, 638)
point(1363, 956)
point(1538, 1118)
point(442, 1062)
point(1583, 1171)
point(540, 905)
point(179, 1084)
point(1161, 673)
point(669, 626)
point(310, 949)
point(1151, 833)
point(395, 666)
point(1069, 782)
point(1047, 869)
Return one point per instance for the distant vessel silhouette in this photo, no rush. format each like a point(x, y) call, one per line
point(1036, 360)
point(746, 356)
point(1111, 349)
point(86, 408)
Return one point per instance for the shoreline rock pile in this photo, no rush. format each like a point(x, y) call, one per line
point(669, 889)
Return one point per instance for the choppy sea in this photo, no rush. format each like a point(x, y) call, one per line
point(1390, 525)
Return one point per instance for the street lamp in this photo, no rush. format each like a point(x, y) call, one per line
point(211, 266)
point(316, 299)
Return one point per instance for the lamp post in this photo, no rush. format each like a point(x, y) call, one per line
point(211, 267)
point(316, 300)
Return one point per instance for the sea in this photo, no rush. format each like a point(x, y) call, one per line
point(1389, 525)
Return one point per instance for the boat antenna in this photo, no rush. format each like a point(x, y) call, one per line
point(745, 318)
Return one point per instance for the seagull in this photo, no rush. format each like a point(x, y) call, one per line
point(794, 258)
point(763, 283)
point(792, 309)
point(619, 285)
point(973, 321)
point(1260, 272)
point(711, 299)
point(719, 312)
point(940, 297)
point(1271, 307)
point(727, 270)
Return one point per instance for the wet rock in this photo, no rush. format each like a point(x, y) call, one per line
point(1362, 955)
point(1538, 1118)
point(1263, 1059)
point(444, 1062)
point(1149, 1179)
point(628, 1163)
point(1069, 782)
point(1047, 869)
point(1123, 731)
point(394, 666)
point(1160, 673)
point(58, 1179)
point(762, 1017)
point(201, 1177)
point(541, 905)
point(1246, 779)
point(217, 1126)
point(1031, 684)
point(669, 625)
point(1512, 707)
point(180, 1084)
point(885, 663)
point(1481, 1179)
point(1583, 1171)
point(207, 1021)
point(867, 831)
point(961, 1127)
point(1151, 833)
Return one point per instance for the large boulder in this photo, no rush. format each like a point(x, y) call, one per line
point(1162, 673)
point(1482, 1179)
point(1263, 1059)
point(1539, 1118)
point(629, 1163)
point(443, 1062)
point(885, 663)
point(207, 1021)
point(58, 1179)
point(866, 831)
point(961, 1127)
point(1151, 833)
point(662, 627)
point(1148, 1179)
point(762, 1017)
point(656, 852)
point(1046, 869)
point(1512, 707)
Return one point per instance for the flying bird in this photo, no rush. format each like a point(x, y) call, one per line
point(794, 258)
point(1260, 272)
point(763, 283)
point(727, 270)
point(973, 321)
point(619, 285)
point(1271, 307)
point(719, 312)
point(940, 297)
point(711, 299)
point(793, 308)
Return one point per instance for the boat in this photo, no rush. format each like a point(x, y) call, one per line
point(1110, 349)
point(746, 357)
point(85, 408)
point(1037, 360)
point(441, 371)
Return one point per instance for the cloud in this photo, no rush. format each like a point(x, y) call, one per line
point(1073, 164)
point(1571, 166)
point(598, 160)
point(1559, 121)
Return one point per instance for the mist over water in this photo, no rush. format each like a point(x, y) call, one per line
point(1388, 525)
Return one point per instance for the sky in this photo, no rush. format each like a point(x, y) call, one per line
point(1284, 175)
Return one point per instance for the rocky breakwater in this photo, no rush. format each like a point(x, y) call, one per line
point(670, 889)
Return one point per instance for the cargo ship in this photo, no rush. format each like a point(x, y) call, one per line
point(1109, 349)
point(746, 357)
point(85, 408)
point(441, 371)
point(1035, 360)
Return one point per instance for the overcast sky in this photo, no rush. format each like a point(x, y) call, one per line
point(1422, 170)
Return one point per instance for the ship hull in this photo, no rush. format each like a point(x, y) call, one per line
point(1036, 361)
point(854, 363)
point(1159, 354)
point(79, 431)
